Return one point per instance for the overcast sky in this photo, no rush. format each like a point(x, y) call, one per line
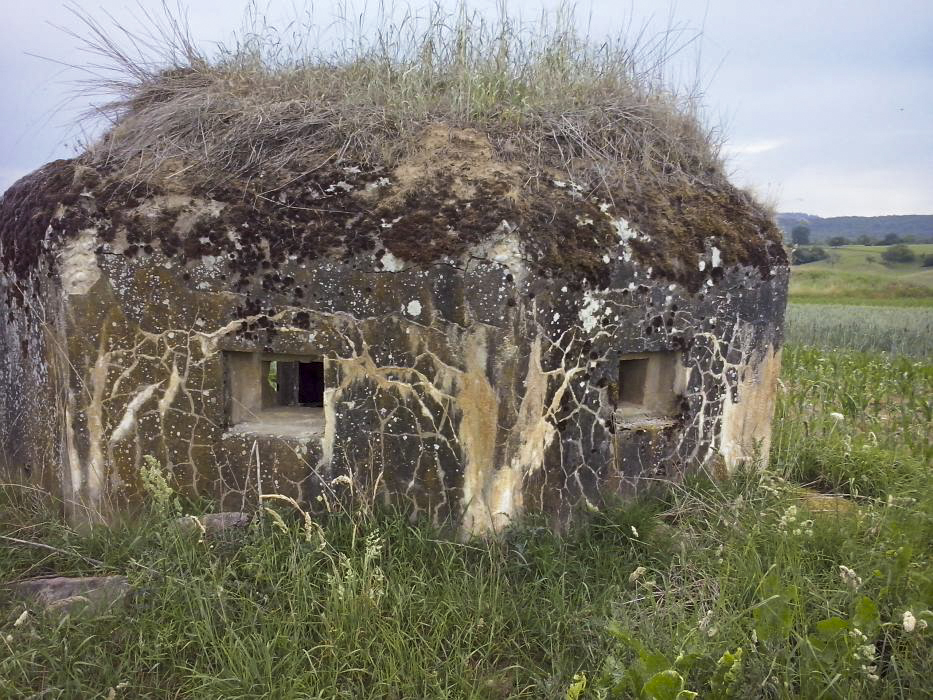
point(827, 104)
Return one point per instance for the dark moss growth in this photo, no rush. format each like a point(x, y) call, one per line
point(26, 211)
point(680, 220)
point(433, 222)
point(323, 213)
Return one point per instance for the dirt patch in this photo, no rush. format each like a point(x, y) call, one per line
point(830, 503)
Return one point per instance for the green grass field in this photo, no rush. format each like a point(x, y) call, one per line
point(870, 328)
point(749, 587)
point(857, 275)
point(812, 579)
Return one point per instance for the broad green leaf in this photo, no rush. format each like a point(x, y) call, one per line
point(685, 662)
point(866, 617)
point(829, 647)
point(831, 628)
point(665, 685)
point(774, 618)
point(576, 687)
point(627, 639)
point(654, 662)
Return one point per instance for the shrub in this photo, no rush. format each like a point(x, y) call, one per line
point(800, 235)
point(899, 253)
point(810, 254)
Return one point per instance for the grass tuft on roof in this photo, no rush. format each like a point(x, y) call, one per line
point(361, 90)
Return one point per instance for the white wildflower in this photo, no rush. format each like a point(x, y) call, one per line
point(634, 531)
point(849, 577)
point(788, 522)
point(910, 622)
point(342, 479)
point(837, 416)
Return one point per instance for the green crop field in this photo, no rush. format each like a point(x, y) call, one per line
point(857, 275)
point(811, 579)
point(892, 329)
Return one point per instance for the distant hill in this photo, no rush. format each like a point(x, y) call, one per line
point(918, 225)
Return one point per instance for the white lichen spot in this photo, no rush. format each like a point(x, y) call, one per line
point(381, 182)
point(624, 230)
point(390, 263)
point(560, 183)
point(556, 317)
point(702, 265)
point(78, 263)
point(413, 308)
point(606, 259)
point(717, 258)
point(589, 312)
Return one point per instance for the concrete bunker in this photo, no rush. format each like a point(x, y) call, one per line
point(461, 326)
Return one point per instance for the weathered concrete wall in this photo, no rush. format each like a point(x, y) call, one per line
point(33, 374)
point(466, 393)
point(470, 385)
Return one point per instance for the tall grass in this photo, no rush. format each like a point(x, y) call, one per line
point(293, 99)
point(377, 608)
point(845, 414)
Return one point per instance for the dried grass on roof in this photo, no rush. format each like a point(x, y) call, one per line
point(547, 98)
